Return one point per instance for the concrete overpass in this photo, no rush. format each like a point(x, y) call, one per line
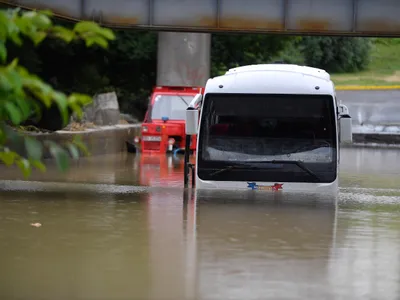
point(326, 17)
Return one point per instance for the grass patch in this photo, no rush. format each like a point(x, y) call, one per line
point(383, 69)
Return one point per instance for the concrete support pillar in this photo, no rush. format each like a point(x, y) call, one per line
point(183, 58)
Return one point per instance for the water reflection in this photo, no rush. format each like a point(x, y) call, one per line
point(370, 160)
point(171, 223)
point(161, 170)
point(271, 248)
point(365, 263)
point(371, 168)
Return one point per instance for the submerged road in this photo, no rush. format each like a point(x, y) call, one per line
point(125, 232)
point(374, 107)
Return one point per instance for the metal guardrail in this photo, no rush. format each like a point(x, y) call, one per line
point(326, 17)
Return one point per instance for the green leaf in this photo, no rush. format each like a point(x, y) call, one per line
point(77, 110)
point(24, 106)
point(5, 83)
point(25, 167)
point(98, 40)
point(16, 38)
point(39, 89)
point(87, 26)
point(77, 141)
point(8, 157)
point(3, 25)
point(29, 14)
point(13, 113)
point(60, 154)
point(62, 103)
point(3, 52)
point(80, 99)
point(13, 64)
point(33, 148)
point(107, 33)
point(38, 37)
point(12, 135)
point(35, 21)
point(15, 80)
point(63, 33)
point(73, 150)
point(13, 30)
point(42, 21)
point(38, 165)
point(46, 12)
point(24, 25)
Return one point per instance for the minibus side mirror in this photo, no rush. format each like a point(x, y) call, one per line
point(192, 115)
point(192, 121)
point(345, 125)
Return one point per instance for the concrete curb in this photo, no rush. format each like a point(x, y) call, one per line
point(369, 139)
point(99, 141)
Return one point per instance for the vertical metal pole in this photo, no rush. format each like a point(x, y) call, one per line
point(186, 165)
point(83, 9)
point(151, 12)
point(218, 12)
point(354, 23)
point(285, 14)
point(193, 175)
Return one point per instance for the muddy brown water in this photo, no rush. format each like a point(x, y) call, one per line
point(121, 227)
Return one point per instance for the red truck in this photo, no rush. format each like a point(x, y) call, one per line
point(163, 127)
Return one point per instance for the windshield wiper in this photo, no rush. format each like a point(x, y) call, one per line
point(235, 166)
point(298, 163)
point(187, 104)
point(248, 166)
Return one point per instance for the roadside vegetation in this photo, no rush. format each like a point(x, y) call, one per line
point(129, 65)
point(383, 68)
point(25, 95)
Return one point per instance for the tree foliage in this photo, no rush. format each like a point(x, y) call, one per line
point(336, 54)
point(233, 50)
point(128, 67)
point(24, 93)
point(130, 64)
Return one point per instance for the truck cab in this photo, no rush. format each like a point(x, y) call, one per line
point(163, 128)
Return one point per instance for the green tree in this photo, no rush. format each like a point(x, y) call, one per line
point(232, 50)
point(336, 54)
point(24, 93)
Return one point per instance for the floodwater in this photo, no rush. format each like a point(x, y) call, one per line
point(121, 227)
